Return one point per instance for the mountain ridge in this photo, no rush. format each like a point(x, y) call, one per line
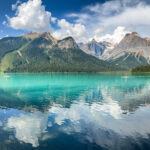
point(93, 48)
point(36, 52)
point(131, 46)
point(130, 52)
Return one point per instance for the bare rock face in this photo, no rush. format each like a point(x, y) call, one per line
point(34, 35)
point(31, 35)
point(94, 48)
point(107, 51)
point(51, 41)
point(48, 36)
point(131, 52)
point(67, 43)
point(132, 43)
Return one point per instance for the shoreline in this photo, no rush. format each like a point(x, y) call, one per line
point(110, 72)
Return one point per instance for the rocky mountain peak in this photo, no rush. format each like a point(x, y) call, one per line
point(132, 40)
point(93, 48)
point(31, 35)
point(93, 40)
point(51, 41)
point(130, 36)
point(134, 34)
point(132, 45)
point(34, 35)
point(48, 36)
point(68, 42)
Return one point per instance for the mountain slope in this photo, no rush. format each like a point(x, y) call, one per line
point(129, 60)
point(43, 53)
point(132, 43)
point(132, 51)
point(10, 44)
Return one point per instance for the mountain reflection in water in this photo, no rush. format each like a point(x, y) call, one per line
point(74, 111)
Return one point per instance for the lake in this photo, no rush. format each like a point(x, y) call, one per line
point(74, 112)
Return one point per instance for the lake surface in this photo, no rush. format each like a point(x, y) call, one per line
point(74, 112)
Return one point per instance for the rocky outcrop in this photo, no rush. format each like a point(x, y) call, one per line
point(45, 35)
point(67, 43)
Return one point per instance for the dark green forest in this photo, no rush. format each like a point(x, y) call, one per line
point(141, 69)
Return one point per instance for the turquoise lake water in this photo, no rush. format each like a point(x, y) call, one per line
point(74, 112)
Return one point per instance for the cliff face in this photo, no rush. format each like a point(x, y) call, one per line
point(94, 48)
point(67, 43)
point(131, 43)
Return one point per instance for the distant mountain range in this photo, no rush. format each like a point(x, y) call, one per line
point(40, 52)
point(131, 52)
point(36, 52)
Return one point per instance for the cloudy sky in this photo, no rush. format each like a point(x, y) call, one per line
point(82, 19)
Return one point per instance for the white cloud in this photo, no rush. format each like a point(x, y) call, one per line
point(111, 14)
point(39, 20)
point(14, 6)
point(29, 127)
point(77, 31)
point(93, 21)
point(95, 120)
point(134, 16)
point(114, 38)
point(4, 23)
point(53, 19)
point(78, 112)
point(31, 16)
point(106, 8)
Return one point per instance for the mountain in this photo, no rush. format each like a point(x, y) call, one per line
point(132, 43)
point(94, 48)
point(67, 43)
point(36, 52)
point(132, 51)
